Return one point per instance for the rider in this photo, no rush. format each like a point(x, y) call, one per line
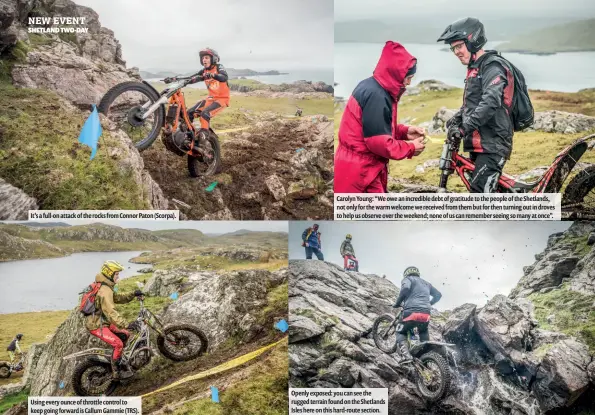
point(483, 121)
point(369, 135)
point(216, 79)
point(106, 323)
point(347, 252)
point(14, 347)
point(312, 243)
point(415, 299)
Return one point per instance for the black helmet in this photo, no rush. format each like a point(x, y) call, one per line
point(468, 29)
point(19, 336)
point(410, 271)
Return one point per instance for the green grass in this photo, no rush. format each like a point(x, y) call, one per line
point(573, 311)
point(277, 305)
point(530, 149)
point(40, 154)
point(264, 391)
point(10, 400)
point(130, 310)
point(35, 328)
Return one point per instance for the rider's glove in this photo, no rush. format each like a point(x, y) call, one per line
point(170, 80)
point(133, 326)
point(454, 131)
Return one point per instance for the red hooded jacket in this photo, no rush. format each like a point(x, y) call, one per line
point(369, 135)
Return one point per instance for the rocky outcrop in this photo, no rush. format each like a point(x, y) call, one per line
point(548, 121)
point(428, 85)
point(559, 261)
point(243, 254)
point(164, 283)
point(14, 247)
point(14, 203)
point(227, 305)
point(505, 363)
point(81, 66)
point(304, 89)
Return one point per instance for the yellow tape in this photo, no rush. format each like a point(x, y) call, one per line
point(230, 364)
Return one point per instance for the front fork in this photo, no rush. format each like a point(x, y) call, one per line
point(445, 165)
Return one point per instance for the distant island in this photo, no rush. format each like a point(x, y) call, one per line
point(233, 73)
point(576, 36)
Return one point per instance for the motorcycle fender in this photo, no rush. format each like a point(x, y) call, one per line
point(152, 87)
point(97, 358)
point(564, 163)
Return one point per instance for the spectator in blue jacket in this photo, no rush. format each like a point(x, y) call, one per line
point(311, 241)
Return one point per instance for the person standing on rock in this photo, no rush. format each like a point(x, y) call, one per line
point(311, 241)
point(215, 77)
point(417, 297)
point(369, 135)
point(106, 323)
point(14, 347)
point(483, 121)
point(348, 253)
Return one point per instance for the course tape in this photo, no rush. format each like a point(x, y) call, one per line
point(230, 364)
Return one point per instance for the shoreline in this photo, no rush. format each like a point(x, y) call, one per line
point(2, 261)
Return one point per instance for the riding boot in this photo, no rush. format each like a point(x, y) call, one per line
point(405, 354)
point(122, 370)
point(115, 369)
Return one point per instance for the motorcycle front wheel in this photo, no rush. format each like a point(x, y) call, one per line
point(385, 333)
point(5, 370)
point(434, 380)
point(122, 105)
point(182, 342)
point(93, 378)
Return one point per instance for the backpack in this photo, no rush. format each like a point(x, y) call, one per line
point(87, 306)
point(522, 109)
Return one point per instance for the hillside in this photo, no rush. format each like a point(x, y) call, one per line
point(234, 330)
point(577, 36)
point(19, 242)
point(233, 73)
point(531, 353)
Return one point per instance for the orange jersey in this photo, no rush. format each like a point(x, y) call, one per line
point(217, 89)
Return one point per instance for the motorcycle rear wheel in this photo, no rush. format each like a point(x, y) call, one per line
point(438, 366)
point(105, 371)
point(387, 346)
point(580, 194)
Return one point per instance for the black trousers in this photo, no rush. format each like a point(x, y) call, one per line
point(488, 169)
point(403, 327)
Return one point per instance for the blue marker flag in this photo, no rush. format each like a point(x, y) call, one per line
point(91, 132)
point(62, 385)
point(174, 296)
point(282, 326)
point(211, 187)
point(215, 394)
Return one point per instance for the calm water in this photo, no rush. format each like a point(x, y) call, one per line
point(566, 72)
point(54, 284)
point(314, 76)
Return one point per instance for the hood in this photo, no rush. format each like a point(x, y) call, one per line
point(392, 67)
point(105, 280)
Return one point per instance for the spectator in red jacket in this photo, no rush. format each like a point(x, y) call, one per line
point(369, 135)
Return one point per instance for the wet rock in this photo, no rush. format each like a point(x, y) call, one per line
point(275, 186)
point(14, 203)
point(562, 376)
point(459, 324)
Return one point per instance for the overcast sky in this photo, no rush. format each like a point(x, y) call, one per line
point(357, 9)
point(203, 226)
point(254, 34)
point(468, 262)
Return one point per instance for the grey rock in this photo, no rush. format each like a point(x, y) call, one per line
point(14, 203)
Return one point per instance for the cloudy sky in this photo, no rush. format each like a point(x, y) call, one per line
point(203, 226)
point(255, 34)
point(422, 9)
point(465, 261)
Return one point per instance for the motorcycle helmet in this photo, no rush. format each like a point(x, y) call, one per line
point(315, 226)
point(469, 29)
point(212, 53)
point(348, 236)
point(109, 268)
point(410, 271)
point(19, 336)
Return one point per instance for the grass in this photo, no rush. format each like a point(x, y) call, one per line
point(35, 327)
point(573, 311)
point(264, 391)
point(10, 400)
point(40, 154)
point(277, 305)
point(130, 310)
point(530, 149)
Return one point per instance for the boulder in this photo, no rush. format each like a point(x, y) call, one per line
point(14, 203)
point(459, 324)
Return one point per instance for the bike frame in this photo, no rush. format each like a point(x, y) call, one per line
point(550, 182)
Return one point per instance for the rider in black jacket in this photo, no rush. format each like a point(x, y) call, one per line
point(483, 120)
point(417, 306)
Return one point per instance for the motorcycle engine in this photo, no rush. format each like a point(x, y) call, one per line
point(178, 142)
point(140, 358)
